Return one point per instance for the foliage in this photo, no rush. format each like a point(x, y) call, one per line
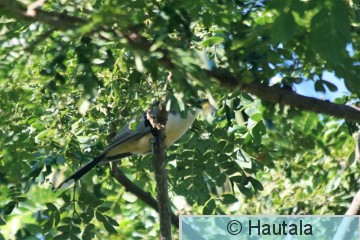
point(69, 83)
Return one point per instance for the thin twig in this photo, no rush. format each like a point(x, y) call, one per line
point(30, 48)
point(146, 197)
point(140, 193)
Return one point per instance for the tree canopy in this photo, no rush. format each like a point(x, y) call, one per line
point(72, 73)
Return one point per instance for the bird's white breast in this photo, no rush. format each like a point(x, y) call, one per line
point(177, 126)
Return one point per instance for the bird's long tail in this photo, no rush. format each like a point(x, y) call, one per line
point(79, 173)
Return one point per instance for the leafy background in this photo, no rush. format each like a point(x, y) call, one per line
point(69, 83)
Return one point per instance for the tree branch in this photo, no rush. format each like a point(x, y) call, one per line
point(268, 93)
point(61, 21)
point(284, 97)
point(272, 94)
point(140, 193)
point(354, 208)
point(158, 123)
point(348, 225)
point(147, 198)
point(281, 96)
point(357, 147)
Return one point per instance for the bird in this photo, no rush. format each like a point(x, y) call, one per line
point(129, 142)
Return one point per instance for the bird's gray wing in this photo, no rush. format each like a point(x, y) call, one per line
point(126, 134)
point(123, 136)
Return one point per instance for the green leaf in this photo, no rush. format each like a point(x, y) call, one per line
point(133, 125)
point(48, 236)
point(332, 87)
point(229, 199)
point(66, 197)
point(109, 227)
point(75, 229)
point(278, 4)
point(56, 218)
point(330, 32)
point(229, 147)
point(220, 179)
point(76, 219)
point(89, 198)
point(88, 215)
point(258, 131)
point(319, 87)
point(256, 117)
point(284, 27)
point(21, 199)
point(88, 234)
point(32, 119)
point(66, 220)
point(105, 221)
point(211, 41)
point(246, 191)
point(352, 84)
point(256, 184)
point(63, 236)
point(2, 221)
point(100, 217)
point(209, 207)
point(103, 209)
point(9, 207)
point(112, 221)
point(51, 207)
point(74, 237)
point(64, 228)
point(48, 224)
